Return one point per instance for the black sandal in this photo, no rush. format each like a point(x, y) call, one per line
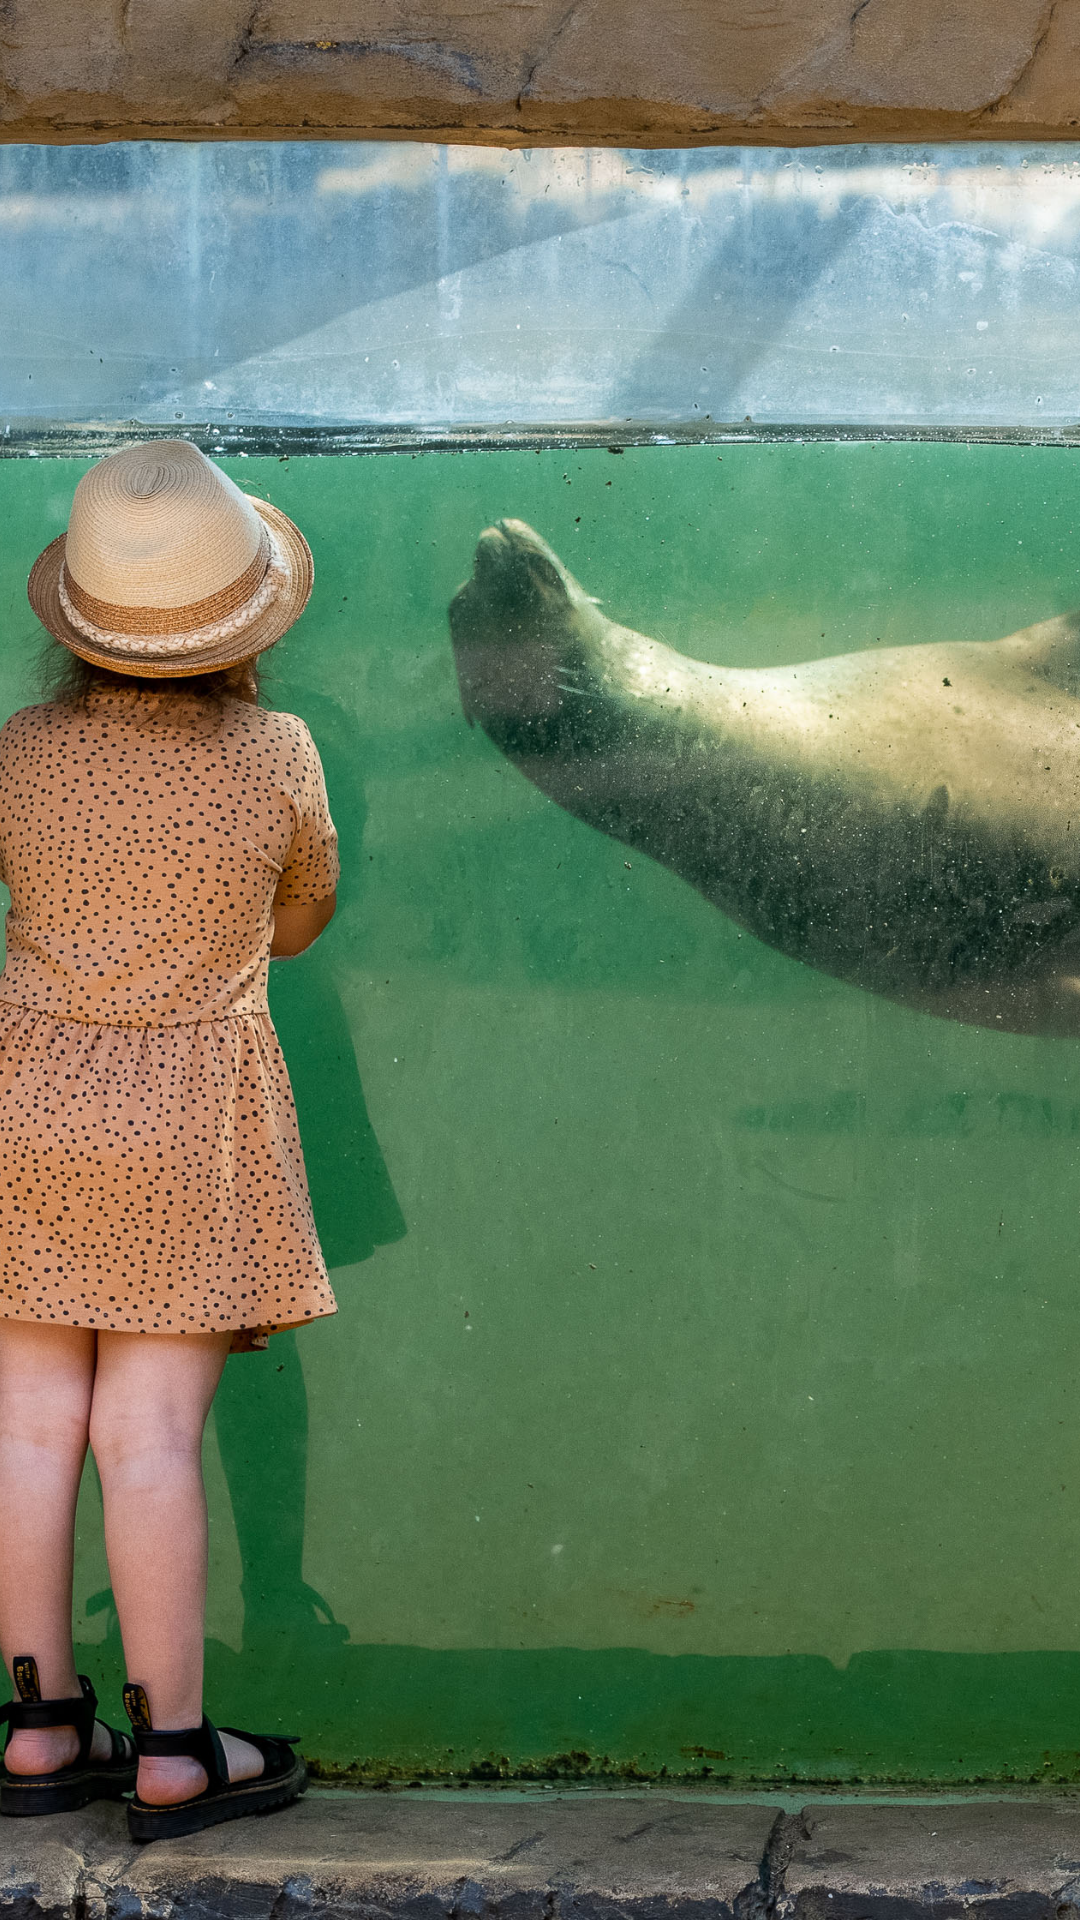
point(83, 1779)
point(283, 1778)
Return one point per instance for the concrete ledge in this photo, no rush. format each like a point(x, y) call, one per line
point(1016, 1861)
point(394, 1854)
point(556, 1855)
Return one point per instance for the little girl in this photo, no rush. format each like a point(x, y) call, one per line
point(162, 836)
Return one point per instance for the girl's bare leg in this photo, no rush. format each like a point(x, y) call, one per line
point(151, 1395)
point(46, 1383)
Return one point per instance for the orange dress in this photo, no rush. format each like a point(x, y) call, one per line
point(151, 1174)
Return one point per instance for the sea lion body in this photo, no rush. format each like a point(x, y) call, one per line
point(906, 819)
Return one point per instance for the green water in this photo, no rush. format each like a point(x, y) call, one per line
point(703, 1394)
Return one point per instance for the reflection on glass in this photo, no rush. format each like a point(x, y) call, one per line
point(211, 285)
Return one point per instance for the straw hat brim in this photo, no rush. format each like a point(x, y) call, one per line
point(43, 592)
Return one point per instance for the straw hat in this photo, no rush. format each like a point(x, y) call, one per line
point(167, 568)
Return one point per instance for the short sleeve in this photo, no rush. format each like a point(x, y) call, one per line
point(312, 868)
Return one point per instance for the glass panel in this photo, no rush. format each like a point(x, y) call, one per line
point(416, 286)
point(701, 1396)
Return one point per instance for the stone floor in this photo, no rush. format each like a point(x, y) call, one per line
point(551, 1854)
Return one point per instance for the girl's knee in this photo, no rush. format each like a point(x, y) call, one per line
point(152, 1394)
point(46, 1386)
point(122, 1436)
point(41, 1431)
point(55, 1422)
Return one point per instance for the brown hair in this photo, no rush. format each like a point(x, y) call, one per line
point(66, 677)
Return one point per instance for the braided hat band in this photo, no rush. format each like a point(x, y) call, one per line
point(168, 569)
point(184, 639)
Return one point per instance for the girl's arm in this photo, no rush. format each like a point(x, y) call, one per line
point(296, 927)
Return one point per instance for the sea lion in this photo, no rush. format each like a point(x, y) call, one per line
point(905, 819)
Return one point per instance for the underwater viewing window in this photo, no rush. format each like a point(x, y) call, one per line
point(689, 1080)
point(404, 286)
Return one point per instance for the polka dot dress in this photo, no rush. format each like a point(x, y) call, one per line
point(151, 1174)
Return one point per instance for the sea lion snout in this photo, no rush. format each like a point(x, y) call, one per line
point(510, 626)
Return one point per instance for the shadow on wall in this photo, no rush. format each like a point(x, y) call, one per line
point(261, 1410)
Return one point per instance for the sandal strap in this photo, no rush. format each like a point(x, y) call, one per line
point(124, 1751)
point(78, 1711)
point(199, 1743)
point(276, 1748)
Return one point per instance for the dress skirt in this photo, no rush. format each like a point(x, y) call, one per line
point(152, 1179)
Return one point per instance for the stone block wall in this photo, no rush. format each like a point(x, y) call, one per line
point(541, 72)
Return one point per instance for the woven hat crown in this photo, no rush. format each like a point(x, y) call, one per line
point(160, 527)
point(168, 569)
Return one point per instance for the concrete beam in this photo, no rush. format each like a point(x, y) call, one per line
point(541, 72)
point(559, 1855)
